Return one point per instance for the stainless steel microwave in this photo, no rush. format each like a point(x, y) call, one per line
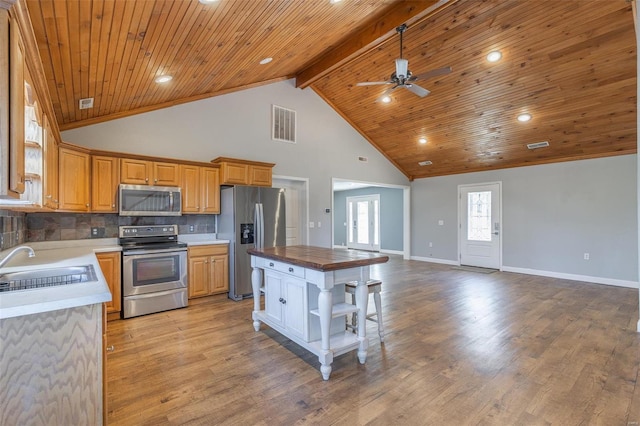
point(143, 200)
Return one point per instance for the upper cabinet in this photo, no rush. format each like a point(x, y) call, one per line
point(12, 64)
point(242, 172)
point(200, 189)
point(105, 177)
point(143, 172)
point(50, 184)
point(74, 180)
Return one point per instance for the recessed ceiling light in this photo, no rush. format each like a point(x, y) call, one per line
point(386, 99)
point(422, 140)
point(334, 1)
point(266, 61)
point(425, 163)
point(207, 1)
point(494, 56)
point(523, 118)
point(163, 78)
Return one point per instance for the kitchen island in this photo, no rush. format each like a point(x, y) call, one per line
point(305, 297)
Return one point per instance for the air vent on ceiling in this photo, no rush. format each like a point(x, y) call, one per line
point(363, 159)
point(283, 124)
point(538, 145)
point(85, 103)
point(425, 163)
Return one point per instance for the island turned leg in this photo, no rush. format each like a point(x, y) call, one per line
point(325, 303)
point(256, 280)
point(362, 299)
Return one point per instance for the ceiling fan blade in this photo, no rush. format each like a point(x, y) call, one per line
point(422, 92)
point(432, 73)
point(373, 83)
point(386, 93)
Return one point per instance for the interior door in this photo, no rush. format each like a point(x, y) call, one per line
point(363, 218)
point(292, 208)
point(480, 225)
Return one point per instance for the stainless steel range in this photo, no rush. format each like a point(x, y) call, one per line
point(154, 269)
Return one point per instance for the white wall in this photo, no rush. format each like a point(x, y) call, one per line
point(552, 215)
point(238, 125)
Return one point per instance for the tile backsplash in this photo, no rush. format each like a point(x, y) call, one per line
point(13, 229)
point(18, 228)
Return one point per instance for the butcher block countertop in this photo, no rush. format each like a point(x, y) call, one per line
point(320, 258)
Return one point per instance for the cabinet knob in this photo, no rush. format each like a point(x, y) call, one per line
point(113, 206)
point(49, 196)
point(284, 301)
point(271, 264)
point(110, 348)
point(146, 179)
point(290, 269)
point(155, 180)
point(87, 205)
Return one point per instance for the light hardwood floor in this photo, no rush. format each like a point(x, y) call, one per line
point(460, 348)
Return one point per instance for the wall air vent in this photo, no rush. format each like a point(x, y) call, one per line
point(425, 163)
point(85, 103)
point(283, 124)
point(538, 145)
point(363, 159)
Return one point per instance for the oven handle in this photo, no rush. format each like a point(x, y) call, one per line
point(153, 251)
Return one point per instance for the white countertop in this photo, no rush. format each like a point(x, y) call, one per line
point(68, 253)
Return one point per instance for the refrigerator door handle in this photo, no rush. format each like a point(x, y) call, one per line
point(259, 226)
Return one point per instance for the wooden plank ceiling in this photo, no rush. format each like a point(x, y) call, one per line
point(571, 64)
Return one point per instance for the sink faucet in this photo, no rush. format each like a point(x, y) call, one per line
point(13, 253)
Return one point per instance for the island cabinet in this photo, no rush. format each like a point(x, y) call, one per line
point(200, 189)
point(304, 293)
point(105, 177)
point(234, 171)
point(144, 172)
point(110, 265)
point(208, 270)
point(74, 175)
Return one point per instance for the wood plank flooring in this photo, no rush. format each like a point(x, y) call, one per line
point(460, 348)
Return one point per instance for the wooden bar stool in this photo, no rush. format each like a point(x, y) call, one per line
point(375, 287)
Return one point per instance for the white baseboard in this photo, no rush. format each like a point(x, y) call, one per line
point(573, 277)
point(434, 260)
point(400, 252)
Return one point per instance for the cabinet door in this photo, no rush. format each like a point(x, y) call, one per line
point(198, 276)
point(190, 189)
point(110, 266)
point(166, 174)
point(260, 176)
point(105, 176)
point(219, 274)
point(295, 315)
point(50, 183)
point(74, 180)
point(135, 172)
point(235, 174)
point(210, 196)
point(273, 306)
point(16, 109)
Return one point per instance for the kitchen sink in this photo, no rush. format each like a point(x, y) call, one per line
point(49, 277)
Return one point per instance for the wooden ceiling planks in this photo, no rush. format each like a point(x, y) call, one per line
point(570, 64)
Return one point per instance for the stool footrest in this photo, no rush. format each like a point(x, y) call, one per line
point(338, 310)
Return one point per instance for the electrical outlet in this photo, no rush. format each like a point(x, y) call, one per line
point(430, 244)
point(312, 225)
point(586, 256)
point(94, 232)
point(319, 224)
point(191, 228)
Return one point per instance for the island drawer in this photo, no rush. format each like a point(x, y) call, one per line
point(296, 271)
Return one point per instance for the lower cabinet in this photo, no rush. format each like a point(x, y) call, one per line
point(208, 270)
point(110, 264)
point(286, 302)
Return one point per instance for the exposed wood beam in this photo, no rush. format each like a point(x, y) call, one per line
point(370, 36)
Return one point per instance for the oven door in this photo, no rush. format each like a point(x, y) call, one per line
point(153, 271)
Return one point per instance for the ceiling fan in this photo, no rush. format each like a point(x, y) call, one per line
point(402, 77)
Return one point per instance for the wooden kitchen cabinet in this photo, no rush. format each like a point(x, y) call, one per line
point(242, 172)
point(105, 178)
point(74, 168)
point(200, 189)
point(110, 265)
point(143, 172)
point(208, 270)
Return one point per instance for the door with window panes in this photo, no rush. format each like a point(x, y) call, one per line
point(480, 225)
point(363, 222)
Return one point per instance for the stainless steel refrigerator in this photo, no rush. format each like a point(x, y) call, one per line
point(250, 216)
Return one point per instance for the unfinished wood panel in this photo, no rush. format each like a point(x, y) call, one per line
point(51, 369)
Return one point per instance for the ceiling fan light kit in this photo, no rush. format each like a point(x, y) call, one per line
point(402, 77)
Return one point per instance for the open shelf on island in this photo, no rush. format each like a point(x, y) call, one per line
point(339, 309)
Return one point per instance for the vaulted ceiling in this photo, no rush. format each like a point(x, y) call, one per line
point(570, 64)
